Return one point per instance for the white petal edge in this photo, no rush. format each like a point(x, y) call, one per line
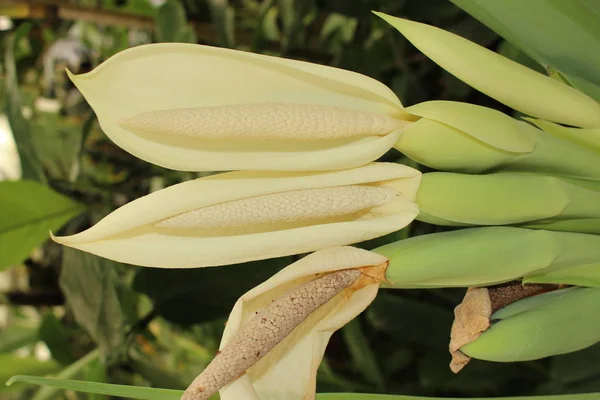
point(289, 370)
point(175, 75)
point(508, 82)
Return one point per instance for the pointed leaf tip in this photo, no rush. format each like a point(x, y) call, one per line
point(510, 83)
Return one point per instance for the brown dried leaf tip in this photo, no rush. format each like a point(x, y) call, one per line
point(472, 316)
point(268, 328)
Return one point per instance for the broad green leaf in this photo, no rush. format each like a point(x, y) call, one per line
point(564, 35)
point(28, 211)
point(14, 337)
point(90, 285)
point(202, 294)
point(53, 333)
point(59, 144)
point(30, 163)
point(171, 24)
point(144, 393)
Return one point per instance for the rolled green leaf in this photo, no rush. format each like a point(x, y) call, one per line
point(520, 88)
point(462, 137)
point(588, 137)
point(509, 199)
point(541, 326)
point(492, 255)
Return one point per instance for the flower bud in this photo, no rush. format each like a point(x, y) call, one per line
point(510, 198)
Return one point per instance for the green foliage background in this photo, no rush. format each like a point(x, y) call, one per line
point(107, 322)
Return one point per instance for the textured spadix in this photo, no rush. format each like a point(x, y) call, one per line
point(289, 370)
point(462, 137)
point(510, 83)
point(191, 107)
point(510, 198)
point(553, 323)
point(249, 215)
point(492, 255)
point(279, 121)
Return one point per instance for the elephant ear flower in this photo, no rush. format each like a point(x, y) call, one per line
point(277, 333)
point(508, 82)
point(198, 108)
point(242, 216)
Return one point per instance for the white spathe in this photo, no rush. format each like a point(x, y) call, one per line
point(242, 216)
point(288, 372)
point(155, 101)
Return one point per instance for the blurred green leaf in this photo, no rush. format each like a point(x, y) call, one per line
point(202, 294)
point(411, 320)
point(28, 211)
point(479, 378)
point(564, 35)
point(14, 337)
point(56, 338)
point(137, 7)
point(12, 364)
point(361, 396)
point(49, 392)
point(95, 372)
point(362, 355)
point(577, 366)
point(293, 14)
point(59, 144)
point(30, 162)
point(153, 373)
point(90, 285)
point(223, 17)
point(171, 24)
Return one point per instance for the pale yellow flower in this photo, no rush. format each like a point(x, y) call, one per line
point(250, 215)
point(194, 108)
point(289, 370)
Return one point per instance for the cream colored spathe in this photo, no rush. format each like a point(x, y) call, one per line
point(289, 370)
point(192, 108)
point(249, 215)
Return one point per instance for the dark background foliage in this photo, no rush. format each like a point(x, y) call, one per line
point(161, 327)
